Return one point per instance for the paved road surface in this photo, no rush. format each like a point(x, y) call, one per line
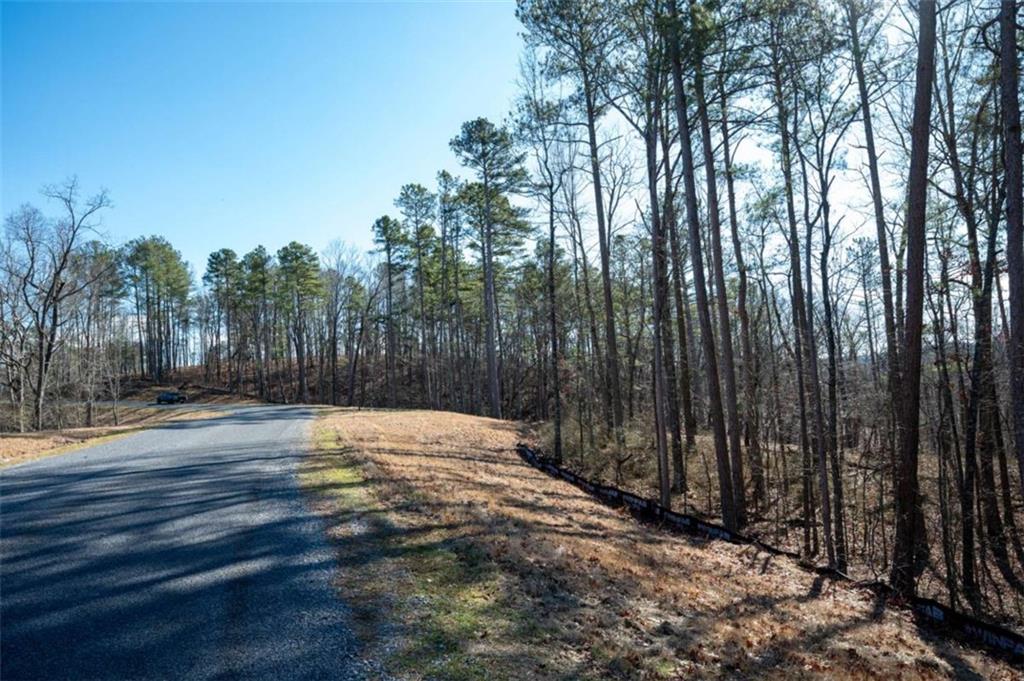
point(180, 552)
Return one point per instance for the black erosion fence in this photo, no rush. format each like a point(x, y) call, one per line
point(929, 612)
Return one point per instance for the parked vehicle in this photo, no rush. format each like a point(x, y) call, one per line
point(171, 398)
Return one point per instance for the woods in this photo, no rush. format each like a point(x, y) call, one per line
point(763, 260)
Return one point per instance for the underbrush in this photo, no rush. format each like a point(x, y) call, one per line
point(779, 521)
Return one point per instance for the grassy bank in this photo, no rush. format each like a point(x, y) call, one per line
point(461, 562)
point(428, 602)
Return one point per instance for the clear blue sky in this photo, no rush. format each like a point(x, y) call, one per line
point(230, 125)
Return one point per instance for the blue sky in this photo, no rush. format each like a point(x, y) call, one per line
point(230, 125)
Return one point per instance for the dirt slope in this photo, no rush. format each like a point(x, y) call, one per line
point(562, 587)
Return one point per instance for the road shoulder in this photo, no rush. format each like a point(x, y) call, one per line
point(428, 600)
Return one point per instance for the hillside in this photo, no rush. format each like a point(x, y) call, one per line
point(135, 410)
point(463, 562)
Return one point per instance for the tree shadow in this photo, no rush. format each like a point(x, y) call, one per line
point(170, 554)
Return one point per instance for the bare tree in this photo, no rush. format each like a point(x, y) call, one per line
point(39, 258)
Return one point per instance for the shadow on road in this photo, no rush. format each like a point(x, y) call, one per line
point(182, 552)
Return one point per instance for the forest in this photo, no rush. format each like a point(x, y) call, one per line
point(763, 260)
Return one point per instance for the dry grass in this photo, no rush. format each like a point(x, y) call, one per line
point(869, 527)
point(20, 447)
point(466, 563)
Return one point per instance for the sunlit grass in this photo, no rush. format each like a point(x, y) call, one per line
point(432, 604)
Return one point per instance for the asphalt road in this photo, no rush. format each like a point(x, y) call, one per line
point(180, 552)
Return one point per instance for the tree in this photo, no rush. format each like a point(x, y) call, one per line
point(95, 269)
point(418, 207)
point(699, 35)
point(38, 258)
point(258, 283)
point(903, 575)
point(391, 237)
point(160, 280)
point(581, 36)
point(788, 39)
point(1009, 82)
point(223, 274)
point(725, 477)
point(340, 286)
point(539, 123)
point(300, 286)
point(490, 151)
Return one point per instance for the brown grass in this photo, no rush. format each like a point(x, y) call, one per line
point(20, 447)
point(558, 586)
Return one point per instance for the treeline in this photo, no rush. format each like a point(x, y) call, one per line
point(792, 168)
point(763, 258)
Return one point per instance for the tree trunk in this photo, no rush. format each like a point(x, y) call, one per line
point(493, 380)
point(904, 576)
point(611, 342)
point(660, 310)
point(722, 300)
point(1010, 104)
point(556, 386)
point(682, 316)
point(750, 417)
point(798, 303)
point(392, 348)
point(727, 497)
